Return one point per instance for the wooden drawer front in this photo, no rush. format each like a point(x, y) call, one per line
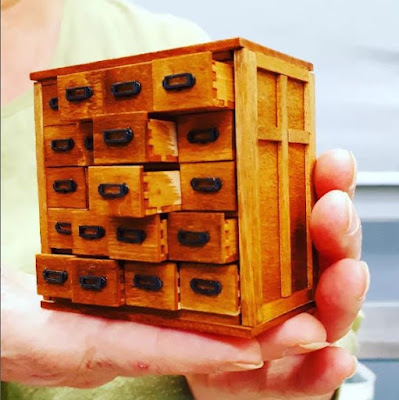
point(128, 89)
point(90, 233)
point(138, 239)
point(68, 145)
point(202, 237)
point(59, 222)
point(206, 137)
point(51, 114)
point(209, 186)
point(192, 82)
point(99, 282)
point(66, 187)
point(210, 288)
point(54, 275)
point(133, 138)
point(80, 95)
point(127, 191)
point(151, 285)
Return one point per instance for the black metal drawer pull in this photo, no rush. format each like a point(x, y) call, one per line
point(62, 145)
point(118, 137)
point(65, 186)
point(206, 185)
point(53, 103)
point(128, 235)
point(78, 93)
point(88, 143)
point(126, 89)
point(91, 232)
point(147, 282)
point(53, 276)
point(89, 282)
point(64, 228)
point(203, 136)
point(206, 287)
point(178, 81)
point(113, 190)
point(189, 238)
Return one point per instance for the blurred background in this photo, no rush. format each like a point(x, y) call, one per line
point(354, 46)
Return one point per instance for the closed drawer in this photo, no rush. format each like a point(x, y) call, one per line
point(54, 275)
point(210, 288)
point(66, 187)
point(128, 88)
point(209, 186)
point(90, 233)
point(192, 82)
point(202, 237)
point(151, 285)
point(206, 137)
point(128, 191)
point(98, 282)
point(133, 138)
point(80, 95)
point(59, 221)
point(68, 145)
point(51, 114)
point(138, 239)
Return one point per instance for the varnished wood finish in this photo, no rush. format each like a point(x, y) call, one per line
point(61, 219)
point(223, 199)
point(219, 286)
point(229, 252)
point(152, 285)
point(196, 143)
point(186, 243)
point(112, 294)
point(72, 199)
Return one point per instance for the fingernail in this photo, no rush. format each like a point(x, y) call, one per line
point(241, 367)
point(304, 348)
point(354, 370)
point(366, 273)
point(352, 186)
point(353, 219)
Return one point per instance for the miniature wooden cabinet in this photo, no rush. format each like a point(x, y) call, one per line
point(175, 187)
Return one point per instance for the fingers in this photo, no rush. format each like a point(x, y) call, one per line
point(335, 227)
point(298, 335)
point(335, 170)
point(303, 376)
point(339, 296)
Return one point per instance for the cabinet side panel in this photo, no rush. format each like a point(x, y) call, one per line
point(41, 175)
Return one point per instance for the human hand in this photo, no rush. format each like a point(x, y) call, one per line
point(288, 372)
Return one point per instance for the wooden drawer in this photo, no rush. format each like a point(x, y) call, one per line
point(133, 138)
point(59, 221)
point(99, 282)
point(68, 145)
point(206, 137)
point(66, 187)
point(209, 186)
point(138, 239)
point(192, 82)
point(90, 233)
point(152, 285)
point(128, 88)
point(202, 237)
point(80, 95)
point(54, 275)
point(50, 107)
point(128, 191)
point(210, 288)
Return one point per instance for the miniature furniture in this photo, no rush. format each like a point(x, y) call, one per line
point(175, 187)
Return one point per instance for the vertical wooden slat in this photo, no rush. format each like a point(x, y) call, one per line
point(248, 182)
point(309, 163)
point(284, 200)
point(41, 176)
